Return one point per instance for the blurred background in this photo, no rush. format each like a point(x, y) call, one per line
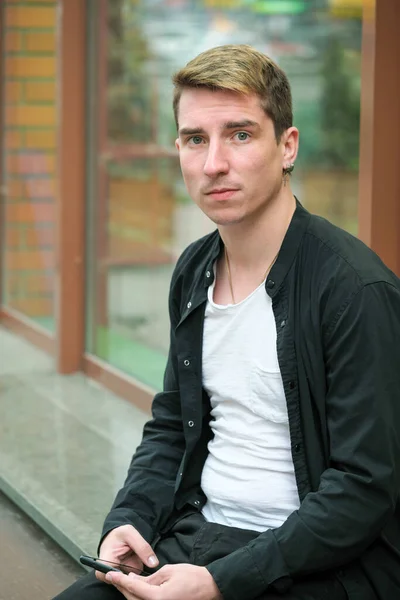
point(138, 214)
point(94, 214)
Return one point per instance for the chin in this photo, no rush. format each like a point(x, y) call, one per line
point(226, 219)
point(223, 215)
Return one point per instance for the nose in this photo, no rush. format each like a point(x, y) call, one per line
point(216, 161)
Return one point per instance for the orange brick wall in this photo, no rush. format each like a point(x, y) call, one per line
point(29, 154)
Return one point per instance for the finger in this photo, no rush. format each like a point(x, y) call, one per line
point(125, 543)
point(120, 554)
point(141, 548)
point(100, 576)
point(135, 585)
point(117, 579)
point(124, 592)
point(132, 563)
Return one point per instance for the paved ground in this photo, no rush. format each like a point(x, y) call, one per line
point(32, 567)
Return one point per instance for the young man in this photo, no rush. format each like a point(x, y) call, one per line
point(271, 467)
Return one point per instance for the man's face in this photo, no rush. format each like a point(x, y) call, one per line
point(230, 159)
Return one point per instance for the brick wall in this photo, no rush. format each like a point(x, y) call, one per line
point(29, 155)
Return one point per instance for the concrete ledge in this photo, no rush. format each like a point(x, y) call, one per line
point(27, 506)
point(65, 445)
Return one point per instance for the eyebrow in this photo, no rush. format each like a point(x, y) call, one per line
point(228, 125)
point(240, 124)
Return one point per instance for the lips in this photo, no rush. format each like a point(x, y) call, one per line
point(222, 193)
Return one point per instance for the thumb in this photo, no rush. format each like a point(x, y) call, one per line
point(141, 548)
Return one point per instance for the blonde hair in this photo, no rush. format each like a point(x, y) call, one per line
point(242, 69)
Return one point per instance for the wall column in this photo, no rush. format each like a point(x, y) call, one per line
point(70, 291)
point(379, 183)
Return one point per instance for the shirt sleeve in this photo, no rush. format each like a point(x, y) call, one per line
point(358, 492)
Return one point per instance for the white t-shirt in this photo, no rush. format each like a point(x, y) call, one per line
point(248, 476)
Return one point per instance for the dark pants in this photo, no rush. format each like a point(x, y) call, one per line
point(193, 540)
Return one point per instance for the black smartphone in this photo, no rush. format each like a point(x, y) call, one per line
point(97, 564)
point(104, 566)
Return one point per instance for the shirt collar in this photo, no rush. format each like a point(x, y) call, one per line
point(290, 245)
point(204, 276)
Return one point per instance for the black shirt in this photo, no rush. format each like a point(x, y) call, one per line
point(337, 314)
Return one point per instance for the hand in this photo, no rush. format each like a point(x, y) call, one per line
point(125, 545)
point(172, 582)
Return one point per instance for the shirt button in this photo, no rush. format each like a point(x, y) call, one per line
point(292, 385)
point(208, 274)
point(186, 363)
point(191, 423)
point(270, 283)
point(180, 474)
point(196, 502)
point(283, 323)
point(189, 304)
point(297, 447)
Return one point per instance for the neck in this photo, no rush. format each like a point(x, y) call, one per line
point(253, 245)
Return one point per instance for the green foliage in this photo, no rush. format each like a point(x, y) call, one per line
point(340, 109)
point(127, 85)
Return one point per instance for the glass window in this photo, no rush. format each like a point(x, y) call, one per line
point(29, 160)
point(141, 217)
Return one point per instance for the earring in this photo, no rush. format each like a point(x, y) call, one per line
point(288, 170)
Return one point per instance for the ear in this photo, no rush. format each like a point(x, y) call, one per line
point(290, 141)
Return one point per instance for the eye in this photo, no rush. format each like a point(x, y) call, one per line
point(242, 136)
point(196, 140)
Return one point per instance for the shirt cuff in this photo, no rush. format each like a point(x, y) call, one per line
point(251, 570)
